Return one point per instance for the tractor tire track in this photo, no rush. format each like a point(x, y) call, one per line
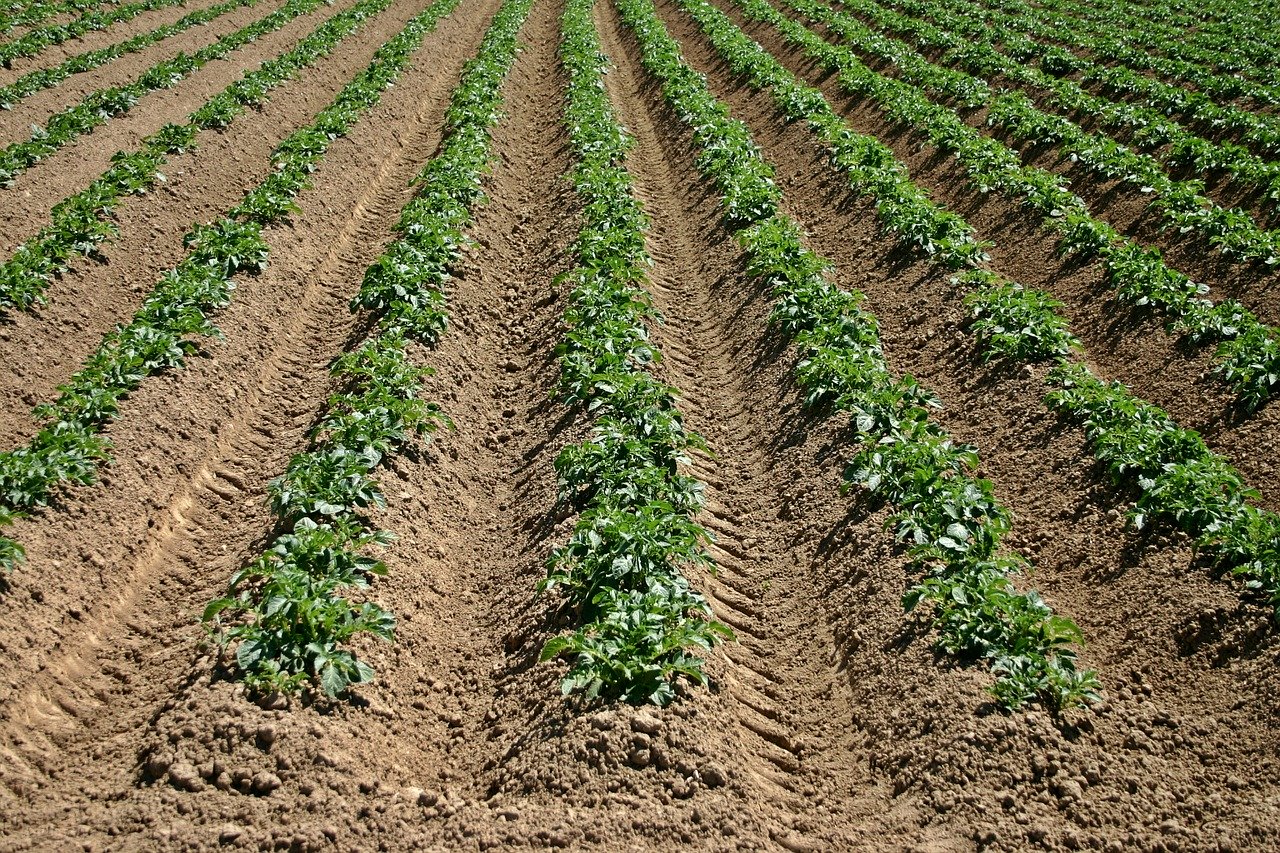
point(791, 701)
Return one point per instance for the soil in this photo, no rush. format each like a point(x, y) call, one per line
point(830, 723)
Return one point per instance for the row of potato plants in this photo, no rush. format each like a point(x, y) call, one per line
point(80, 222)
point(32, 43)
point(100, 106)
point(1067, 40)
point(27, 13)
point(1178, 480)
point(1010, 317)
point(1240, 53)
point(950, 518)
point(289, 613)
point(1257, 130)
point(1181, 204)
point(1248, 350)
point(640, 626)
point(69, 446)
point(965, 41)
point(1246, 44)
point(44, 78)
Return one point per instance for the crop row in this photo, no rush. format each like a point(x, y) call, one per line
point(950, 517)
point(33, 42)
point(291, 617)
point(43, 78)
point(1181, 204)
point(69, 446)
point(100, 106)
point(1186, 65)
point(1179, 481)
point(621, 571)
point(1248, 352)
point(1243, 43)
point(1259, 131)
point(80, 221)
point(26, 14)
point(968, 43)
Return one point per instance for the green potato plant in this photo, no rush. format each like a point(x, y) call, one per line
point(287, 613)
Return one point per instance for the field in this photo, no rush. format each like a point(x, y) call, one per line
point(639, 424)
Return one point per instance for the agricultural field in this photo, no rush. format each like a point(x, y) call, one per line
point(639, 424)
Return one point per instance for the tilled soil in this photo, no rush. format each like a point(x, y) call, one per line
point(830, 724)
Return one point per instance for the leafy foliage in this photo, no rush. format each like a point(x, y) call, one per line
point(43, 78)
point(80, 222)
point(1179, 479)
point(69, 447)
point(288, 611)
point(641, 626)
point(949, 518)
point(36, 40)
point(1141, 275)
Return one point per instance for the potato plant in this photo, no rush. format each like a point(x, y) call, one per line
point(1177, 478)
point(640, 624)
point(287, 613)
point(949, 519)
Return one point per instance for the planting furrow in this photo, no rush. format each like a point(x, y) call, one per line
point(254, 401)
point(950, 515)
point(53, 56)
point(34, 42)
point(483, 737)
point(69, 447)
point(1248, 351)
point(287, 613)
point(788, 698)
point(44, 78)
point(650, 166)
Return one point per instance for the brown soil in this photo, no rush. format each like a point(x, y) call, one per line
point(830, 725)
